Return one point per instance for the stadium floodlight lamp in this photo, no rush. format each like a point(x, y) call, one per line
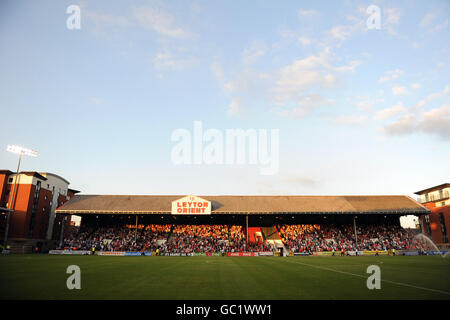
point(21, 151)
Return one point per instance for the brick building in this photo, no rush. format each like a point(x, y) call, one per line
point(436, 225)
point(33, 222)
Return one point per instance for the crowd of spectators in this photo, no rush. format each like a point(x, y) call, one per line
point(210, 238)
point(196, 239)
point(313, 238)
point(184, 239)
point(124, 238)
point(187, 239)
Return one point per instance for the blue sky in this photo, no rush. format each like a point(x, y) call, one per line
point(359, 111)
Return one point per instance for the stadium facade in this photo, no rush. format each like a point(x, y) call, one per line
point(257, 214)
point(33, 222)
point(436, 225)
point(43, 204)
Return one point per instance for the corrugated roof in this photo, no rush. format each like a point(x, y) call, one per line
point(245, 204)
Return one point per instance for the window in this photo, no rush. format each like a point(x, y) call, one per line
point(10, 180)
point(441, 194)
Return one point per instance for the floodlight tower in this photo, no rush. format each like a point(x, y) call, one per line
point(20, 151)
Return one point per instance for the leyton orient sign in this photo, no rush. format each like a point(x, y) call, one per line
point(191, 205)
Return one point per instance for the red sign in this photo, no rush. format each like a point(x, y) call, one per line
point(241, 254)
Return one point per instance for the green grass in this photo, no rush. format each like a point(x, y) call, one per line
point(179, 278)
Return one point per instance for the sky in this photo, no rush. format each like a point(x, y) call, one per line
point(360, 98)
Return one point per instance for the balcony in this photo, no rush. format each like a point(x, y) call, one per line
point(433, 198)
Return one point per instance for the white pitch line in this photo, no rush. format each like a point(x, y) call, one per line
point(361, 276)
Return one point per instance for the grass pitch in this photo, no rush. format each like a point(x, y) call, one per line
point(207, 278)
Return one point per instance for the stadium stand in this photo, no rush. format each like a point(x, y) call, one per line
point(180, 239)
point(186, 239)
point(282, 224)
point(315, 238)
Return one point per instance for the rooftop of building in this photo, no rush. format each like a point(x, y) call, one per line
point(240, 204)
point(435, 188)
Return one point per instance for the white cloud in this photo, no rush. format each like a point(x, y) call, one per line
point(169, 61)
point(340, 32)
point(349, 68)
point(365, 105)
point(303, 74)
point(391, 75)
point(433, 96)
point(416, 86)
point(307, 13)
point(428, 99)
point(106, 20)
point(247, 81)
point(427, 19)
point(292, 89)
point(96, 100)
point(145, 16)
point(398, 90)
point(303, 106)
point(350, 119)
point(235, 107)
point(253, 53)
point(389, 112)
point(392, 18)
point(435, 121)
point(314, 100)
point(440, 26)
point(217, 70)
point(304, 41)
point(447, 89)
point(405, 125)
point(161, 22)
point(168, 55)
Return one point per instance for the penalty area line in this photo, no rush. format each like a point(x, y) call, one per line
point(361, 276)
